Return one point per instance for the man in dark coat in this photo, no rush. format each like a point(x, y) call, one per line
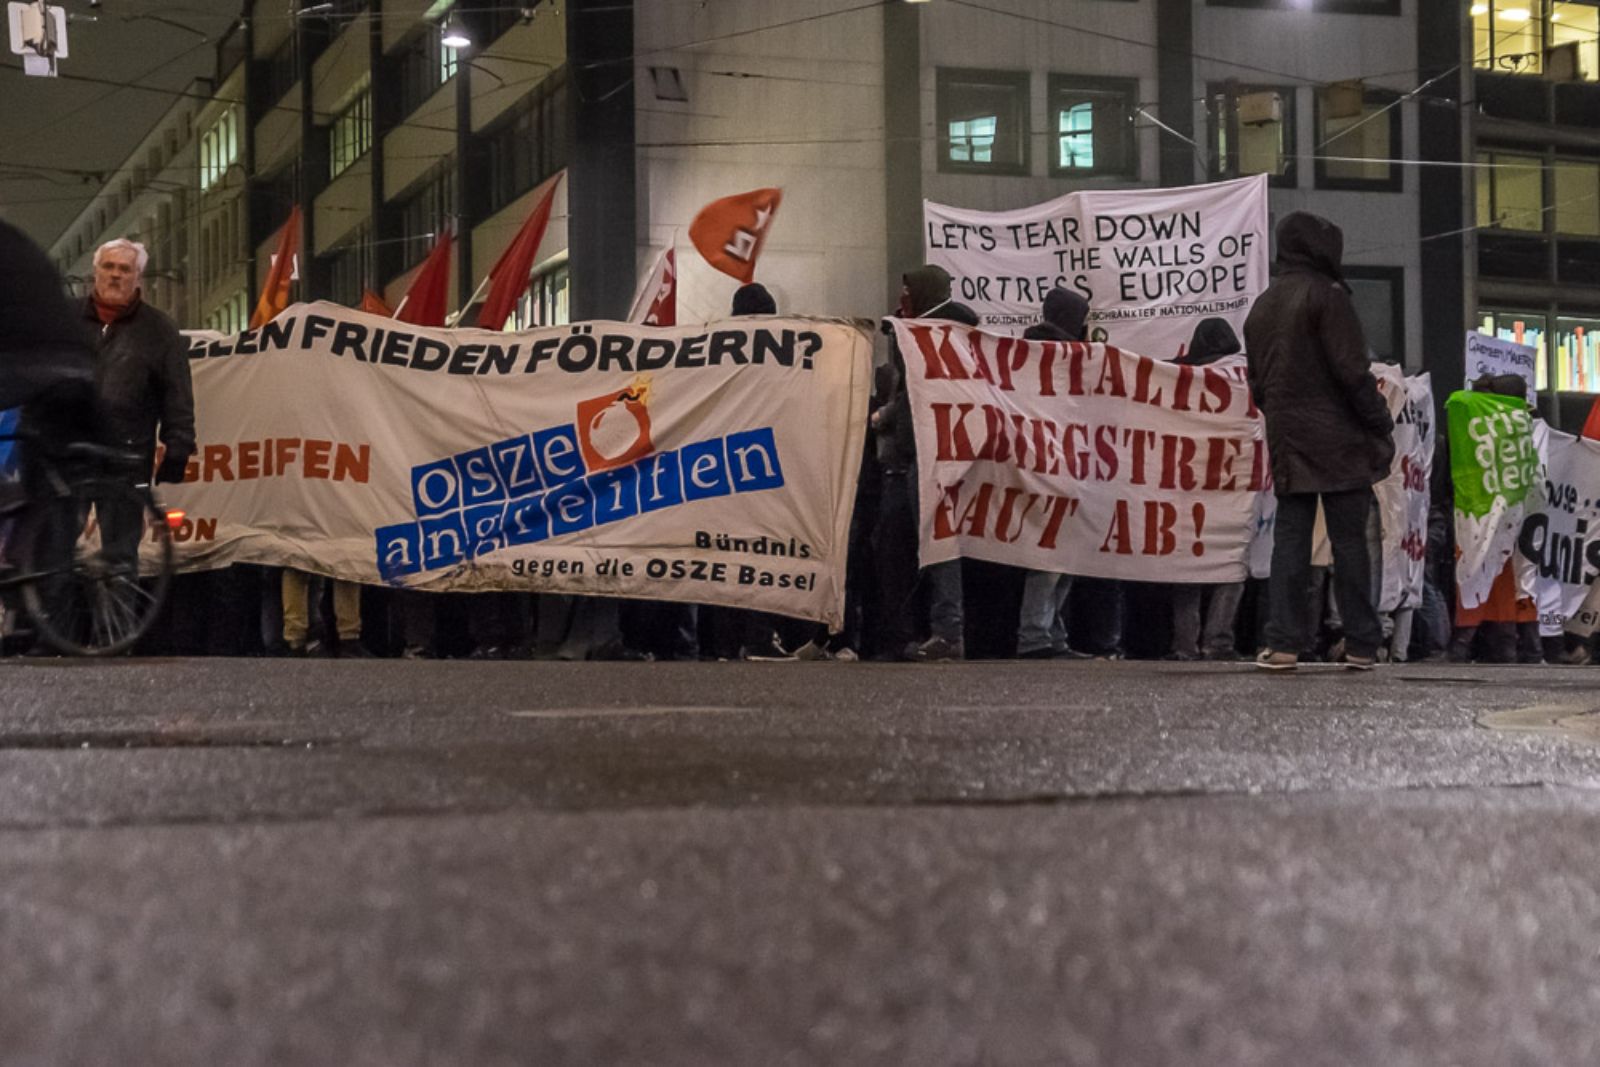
point(142, 371)
point(1328, 431)
point(925, 295)
point(1040, 631)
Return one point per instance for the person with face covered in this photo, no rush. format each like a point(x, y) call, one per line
point(1329, 434)
point(1208, 633)
point(925, 294)
point(1041, 632)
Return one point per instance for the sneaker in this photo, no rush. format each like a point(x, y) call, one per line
point(1277, 661)
point(811, 652)
point(847, 655)
point(770, 652)
point(1354, 662)
point(937, 650)
point(414, 652)
point(1576, 657)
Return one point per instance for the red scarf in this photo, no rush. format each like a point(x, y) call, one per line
point(109, 313)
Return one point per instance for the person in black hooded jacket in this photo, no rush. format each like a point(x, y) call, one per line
point(925, 295)
point(1213, 339)
point(1328, 431)
point(1041, 634)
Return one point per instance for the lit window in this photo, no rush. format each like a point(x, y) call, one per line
point(1094, 126)
point(1510, 191)
point(219, 149)
point(1266, 133)
point(1578, 355)
point(983, 121)
point(1508, 35)
point(350, 136)
point(1524, 329)
point(1358, 139)
point(1577, 206)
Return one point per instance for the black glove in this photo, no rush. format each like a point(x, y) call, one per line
point(171, 470)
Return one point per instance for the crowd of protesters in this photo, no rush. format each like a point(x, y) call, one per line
point(1328, 430)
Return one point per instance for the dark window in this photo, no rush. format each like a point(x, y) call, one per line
point(425, 214)
point(425, 65)
point(281, 71)
point(1379, 294)
point(1092, 119)
point(529, 143)
point(1358, 139)
point(983, 121)
point(350, 269)
point(1330, 7)
point(1266, 132)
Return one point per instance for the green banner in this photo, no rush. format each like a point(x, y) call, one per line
point(1493, 459)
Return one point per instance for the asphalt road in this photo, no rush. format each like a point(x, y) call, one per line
point(382, 862)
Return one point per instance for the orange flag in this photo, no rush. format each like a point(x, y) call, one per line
point(285, 269)
point(427, 301)
point(730, 232)
point(509, 278)
point(373, 304)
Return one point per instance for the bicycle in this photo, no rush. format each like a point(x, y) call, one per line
point(83, 599)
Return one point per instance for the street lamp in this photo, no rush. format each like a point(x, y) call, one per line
point(454, 34)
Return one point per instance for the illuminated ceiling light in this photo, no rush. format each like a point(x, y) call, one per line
point(455, 36)
point(1556, 17)
point(1479, 9)
point(1514, 14)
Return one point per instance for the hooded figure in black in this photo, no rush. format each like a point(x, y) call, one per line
point(1212, 340)
point(925, 295)
point(1207, 633)
point(1041, 634)
point(1328, 431)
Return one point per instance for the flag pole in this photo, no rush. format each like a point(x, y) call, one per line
point(453, 319)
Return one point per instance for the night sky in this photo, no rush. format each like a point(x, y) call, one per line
point(91, 117)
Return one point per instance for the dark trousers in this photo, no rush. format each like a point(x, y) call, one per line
point(894, 550)
point(1346, 513)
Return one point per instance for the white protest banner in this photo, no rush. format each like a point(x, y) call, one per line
point(714, 463)
point(1151, 262)
point(1080, 458)
point(1555, 540)
point(1491, 355)
point(1403, 497)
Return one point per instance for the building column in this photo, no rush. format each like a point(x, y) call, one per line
point(902, 146)
point(314, 35)
point(1175, 90)
point(1442, 193)
point(602, 184)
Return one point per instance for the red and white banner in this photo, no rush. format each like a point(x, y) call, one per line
point(657, 301)
point(1081, 458)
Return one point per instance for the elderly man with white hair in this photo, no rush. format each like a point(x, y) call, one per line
point(142, 375)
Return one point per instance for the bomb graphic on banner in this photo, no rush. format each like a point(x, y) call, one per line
point(614, 429)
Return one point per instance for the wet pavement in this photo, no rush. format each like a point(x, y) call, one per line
point(239, 861)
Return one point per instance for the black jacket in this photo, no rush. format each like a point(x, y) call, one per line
point(897, 441)
point(1328, 429)
point(42, 342)
point(1213, 339)
point(142, 371)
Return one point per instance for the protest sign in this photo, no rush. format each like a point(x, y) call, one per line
point(714, 463)
point(1403, 497)
point(1494, 465)
point(1151, 262)
point(1492, 355)
point(1081, 458)
point(1556, 538)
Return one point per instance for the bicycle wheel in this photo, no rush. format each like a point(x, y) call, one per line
point(85, 596)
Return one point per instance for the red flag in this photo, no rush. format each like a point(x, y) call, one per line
point(657, 302)
point(426, 302)
point(285, 269)
point(730, 232)
point(509, 278)
point(373, 304)
point(1591, 425)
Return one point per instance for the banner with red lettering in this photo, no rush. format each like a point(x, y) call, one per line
point(712, 463)
point(1081, 458)
point(1151, 262)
